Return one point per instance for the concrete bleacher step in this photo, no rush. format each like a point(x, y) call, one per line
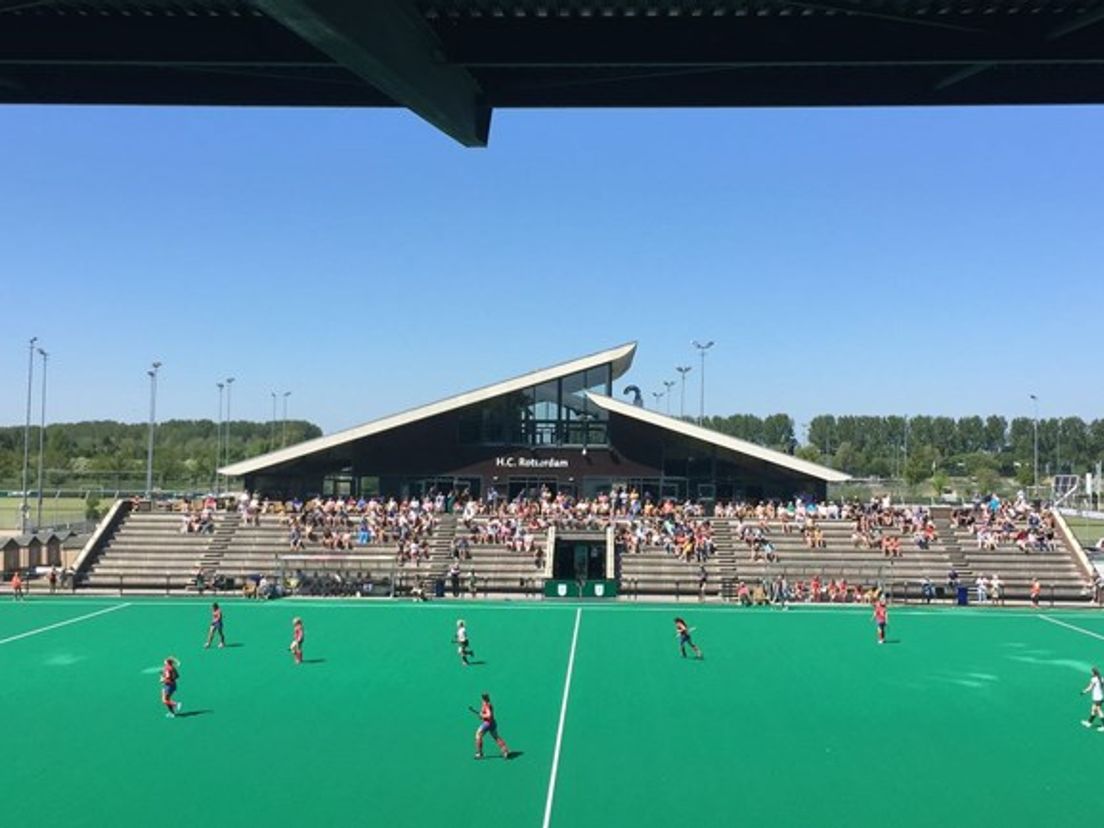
point(148, 550)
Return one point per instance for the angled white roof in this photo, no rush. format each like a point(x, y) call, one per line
point(707, 435)
point(621, 357)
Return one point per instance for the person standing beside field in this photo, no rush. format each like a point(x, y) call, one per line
point(297, 640)
point(684, 639)
point(17, 587)
point(1096, 687)
point(1035, 590)
point(881, 618)
point(488, 724)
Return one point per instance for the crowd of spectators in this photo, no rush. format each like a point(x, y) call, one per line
point(684, 530)
point(200, 521)
point(343, 524)
point(993, 521)
point(814, 591)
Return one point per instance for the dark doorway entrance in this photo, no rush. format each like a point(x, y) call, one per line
point(579, 560)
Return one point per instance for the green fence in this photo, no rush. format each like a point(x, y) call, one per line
point(571, 589)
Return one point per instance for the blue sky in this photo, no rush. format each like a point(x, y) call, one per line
point(940, 261)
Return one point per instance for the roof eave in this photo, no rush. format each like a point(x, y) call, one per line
point(724, 441)
point(620, 357)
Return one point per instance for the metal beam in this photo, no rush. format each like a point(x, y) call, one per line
point(1078, 23)
point(1069, 27)
point(388, 44)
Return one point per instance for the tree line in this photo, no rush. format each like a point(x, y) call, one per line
point(110, 454)
point(923, 447)
point(113, 454)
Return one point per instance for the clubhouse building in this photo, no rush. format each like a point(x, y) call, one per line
point(560, 427)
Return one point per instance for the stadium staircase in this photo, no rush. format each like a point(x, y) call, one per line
point(212, 559)
point(953, 544)
point(440, 550)
point(149, 553)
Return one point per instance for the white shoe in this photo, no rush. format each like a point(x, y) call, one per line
point(1086, 723)
point(179, 707)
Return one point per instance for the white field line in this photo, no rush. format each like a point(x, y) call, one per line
point(66, 623)
point(1073, 627)
point(563, 718)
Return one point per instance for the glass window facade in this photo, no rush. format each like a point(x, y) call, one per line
point(554, 413)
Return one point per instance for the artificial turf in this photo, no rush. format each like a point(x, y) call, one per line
point(792, 718)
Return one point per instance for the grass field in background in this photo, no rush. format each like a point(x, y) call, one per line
point(1086, 530)
point(793, 718)
point(55, 510)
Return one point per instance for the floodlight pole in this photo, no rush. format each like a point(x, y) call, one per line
point(218, 439)
point(283, 435)
point(1058, 445)
point(226, 441)
point(658, 396)
point(1035, 400)
point(702, 348)
point(272, 430)
point(152, 421)
point(27, 438)
point(668, 384)
point(904, 461)
point(41, 441)
point(683, 370)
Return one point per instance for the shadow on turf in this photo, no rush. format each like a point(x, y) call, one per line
point(476, 663)
point(234, 646)
point(314, 661)
point(187, 714)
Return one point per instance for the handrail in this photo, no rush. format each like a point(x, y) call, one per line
point(549, 551)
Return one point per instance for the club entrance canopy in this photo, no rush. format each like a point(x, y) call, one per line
point(453, 61)
point(560, 428)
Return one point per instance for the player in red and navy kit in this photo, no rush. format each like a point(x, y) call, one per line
point(297, 640)
point(488, 724)
point(881, 617)
point(169, 675)
point(216, 627)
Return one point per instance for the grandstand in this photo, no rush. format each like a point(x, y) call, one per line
point(148, 552)
point(493, 478)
